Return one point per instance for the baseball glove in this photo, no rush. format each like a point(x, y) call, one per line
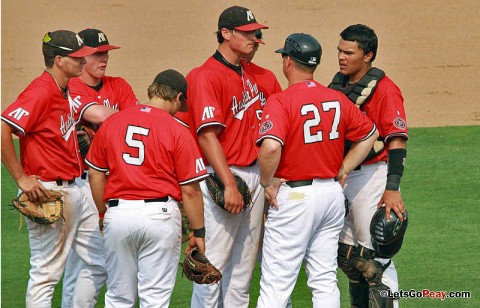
point(197, 268)
point(85, 136)
point(216, 189)
point(185, 224)
point(45, 213)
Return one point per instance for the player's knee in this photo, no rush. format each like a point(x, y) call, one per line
point(344, 260)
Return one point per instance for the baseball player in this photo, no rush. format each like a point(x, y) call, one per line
point(224, 100)
point(44, 117)
point(302, 139)
point(116, 94)
point(152, 164)
point(377, 180)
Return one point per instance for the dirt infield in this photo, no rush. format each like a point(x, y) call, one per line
point(427, 47)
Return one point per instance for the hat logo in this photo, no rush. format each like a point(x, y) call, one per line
point(250, 16)
point(79, 40)
point(101, 37)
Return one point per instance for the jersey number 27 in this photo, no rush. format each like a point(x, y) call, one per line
point(311, 124)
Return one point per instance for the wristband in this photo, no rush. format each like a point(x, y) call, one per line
point(101, 215)
point(396, 165)
point(199, 232)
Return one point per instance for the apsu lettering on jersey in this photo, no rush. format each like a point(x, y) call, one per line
point(249, 97)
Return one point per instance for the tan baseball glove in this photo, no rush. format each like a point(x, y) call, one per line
point(197, 268)
point(45, 213)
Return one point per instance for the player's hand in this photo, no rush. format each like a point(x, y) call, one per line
point(233, 199)
point(393, 201)
point(271, 192)
point(30, 185)
point(193, 242)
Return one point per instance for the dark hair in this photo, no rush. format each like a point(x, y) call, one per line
point(364, 36)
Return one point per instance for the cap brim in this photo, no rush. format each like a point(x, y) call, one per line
point(83, 52)
point(281, 50)
point(103, 48)
point(251, 27)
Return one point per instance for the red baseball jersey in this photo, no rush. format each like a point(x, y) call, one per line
point(223, 95)
point(267, 84)
point(146, 153)
point(115, 93)
point(385, 108)
point(45, 122)
point(312, 122)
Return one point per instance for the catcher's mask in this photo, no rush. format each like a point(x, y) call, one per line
point(302, 47)
point(387, 236)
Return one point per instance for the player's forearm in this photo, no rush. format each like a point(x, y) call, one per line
point(193, 204)
point(213, 151)
point(269, 158)
point(9, 155)
point(97, 114)
point(357, 154)
point(97, 181)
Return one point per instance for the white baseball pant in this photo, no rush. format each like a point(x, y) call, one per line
point(364, 189)
point(231, 243)
point(51, 244)
point(306, 228)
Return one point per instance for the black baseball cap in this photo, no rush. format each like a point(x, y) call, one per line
point(238, 18)
point(65, 43)
point(173, 79)
point(97, 39)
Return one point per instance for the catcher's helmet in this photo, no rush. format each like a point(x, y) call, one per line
point(387, 236)
point(302, 47)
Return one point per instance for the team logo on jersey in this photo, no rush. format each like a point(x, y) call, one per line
point(399, 123)
point(18, 113)
point(208, 113)
point(266, 126)
point(199, 165)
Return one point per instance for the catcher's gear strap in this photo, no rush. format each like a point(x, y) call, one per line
point(396, 164)
point(360, 92)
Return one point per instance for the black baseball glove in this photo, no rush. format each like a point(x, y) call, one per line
point(217, 190)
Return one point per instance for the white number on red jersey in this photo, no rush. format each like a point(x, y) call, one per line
point(138, 144)
point(315, 122)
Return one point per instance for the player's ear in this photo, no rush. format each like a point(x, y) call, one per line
point(226, 33)
point(368, 57)
point(182, 101)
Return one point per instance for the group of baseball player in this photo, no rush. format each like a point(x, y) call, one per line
point(318, 161)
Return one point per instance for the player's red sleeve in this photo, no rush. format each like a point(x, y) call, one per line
point(189, 165)
point(275, 122)
point(97, 155)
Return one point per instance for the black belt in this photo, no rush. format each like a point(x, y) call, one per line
point(84, 176)
point(294, 184)
point(60, 182)
point(114, 202)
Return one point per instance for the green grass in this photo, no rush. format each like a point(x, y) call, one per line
point(440, 252)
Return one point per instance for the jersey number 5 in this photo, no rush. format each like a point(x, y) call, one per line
point(134, 143)
point(311, 124)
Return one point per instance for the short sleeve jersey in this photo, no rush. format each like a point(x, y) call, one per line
point(115, 93)
point(312, 122)
point(45, 122)
point(222, 96)
point(385, 108)
point(146, 153)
